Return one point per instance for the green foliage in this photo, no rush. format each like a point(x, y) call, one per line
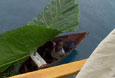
point(17, 44)
point(59, 14)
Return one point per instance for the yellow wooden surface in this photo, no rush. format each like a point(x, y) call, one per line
point(55, 72)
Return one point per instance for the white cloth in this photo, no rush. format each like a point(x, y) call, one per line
point(38, 60)
point(101, 63)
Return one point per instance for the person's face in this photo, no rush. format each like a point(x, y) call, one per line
point(59, 45)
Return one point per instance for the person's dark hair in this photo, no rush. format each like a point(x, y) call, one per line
point(58, 42)
point(59, 45)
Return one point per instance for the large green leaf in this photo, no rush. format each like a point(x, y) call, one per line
point(59, 14)
point(17, 44)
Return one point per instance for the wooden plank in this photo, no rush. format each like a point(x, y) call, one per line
point(55, 72)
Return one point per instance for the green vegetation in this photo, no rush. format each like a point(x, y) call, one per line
point(62, 15)
point(16, 45)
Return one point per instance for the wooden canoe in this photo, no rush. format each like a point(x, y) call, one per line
point(71, 42)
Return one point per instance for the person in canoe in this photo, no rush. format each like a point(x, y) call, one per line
point(58, 50)
point(51, 51)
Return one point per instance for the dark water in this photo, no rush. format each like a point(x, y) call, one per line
point(97, 17)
